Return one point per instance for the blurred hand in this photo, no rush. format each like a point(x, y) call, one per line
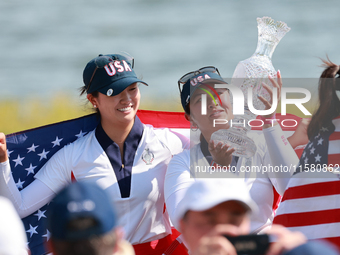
point(3, 148)
point(286, 240)
point(276, 84)
point(300, 136)
point(214, 243)
point(221, 153)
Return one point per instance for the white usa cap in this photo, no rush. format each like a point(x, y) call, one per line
point(204, 194)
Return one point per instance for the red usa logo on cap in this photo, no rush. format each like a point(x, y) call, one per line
point(114, 67)
point(200, 78)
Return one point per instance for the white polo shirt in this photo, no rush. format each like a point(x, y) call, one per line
point(182, 171)
point(141, 214)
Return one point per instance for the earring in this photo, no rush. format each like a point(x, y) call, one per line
point(193, 127)
point(95, 106)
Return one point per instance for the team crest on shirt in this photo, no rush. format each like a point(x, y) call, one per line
point(148, 156)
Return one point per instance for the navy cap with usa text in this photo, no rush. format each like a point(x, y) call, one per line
point(193, 83)
point(109, 74)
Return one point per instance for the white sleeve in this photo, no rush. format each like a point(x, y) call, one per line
point(282, 155)
point(56, 173)
point(28, 200)
point(174, 141)
point(177, 181)
point(184, 137)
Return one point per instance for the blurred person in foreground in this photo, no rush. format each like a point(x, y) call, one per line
point(12, 233)
point(82, 221)
point(212, 208)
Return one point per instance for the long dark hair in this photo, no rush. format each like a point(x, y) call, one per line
point(329, 103)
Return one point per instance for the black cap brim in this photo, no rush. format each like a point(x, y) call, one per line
point(118, 86)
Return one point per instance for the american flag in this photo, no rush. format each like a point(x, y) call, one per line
point(311, 202)
point(29, 150)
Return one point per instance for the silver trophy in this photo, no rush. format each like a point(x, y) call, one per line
point(250, 73)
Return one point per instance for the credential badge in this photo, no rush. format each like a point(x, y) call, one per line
point(148, 156)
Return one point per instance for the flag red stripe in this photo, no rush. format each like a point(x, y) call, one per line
point(308, 218)
point(334, 240)
point(73, 178)
point(312, 190)
point(163, 119)
point(334, 136)
point(299, 152)
point(276, 200)
point(334, 159)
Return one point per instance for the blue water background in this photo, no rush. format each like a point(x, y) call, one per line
point(45, 44)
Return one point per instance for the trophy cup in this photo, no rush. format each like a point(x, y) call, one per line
point(250, 73)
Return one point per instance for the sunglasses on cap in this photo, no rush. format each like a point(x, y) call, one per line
point(189, 75)
point(102, 60)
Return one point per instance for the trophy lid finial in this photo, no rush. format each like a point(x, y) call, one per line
point(271, 30)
